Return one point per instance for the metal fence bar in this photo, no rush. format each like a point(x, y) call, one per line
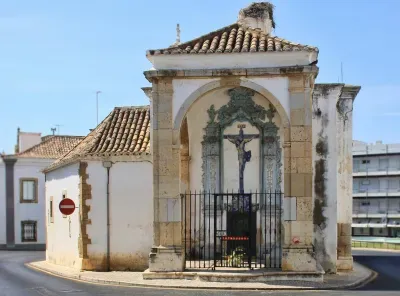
point(215, 230)
point(223, 242)
point(190, 229)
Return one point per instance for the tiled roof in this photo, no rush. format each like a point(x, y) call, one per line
point(234, 39)
point(125, 131)
point(51, 147)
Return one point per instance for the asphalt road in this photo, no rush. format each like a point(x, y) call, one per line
point(18, 280)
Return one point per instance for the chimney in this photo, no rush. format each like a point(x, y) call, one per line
point(27, 140)
point(16, 148)
point(258, 15)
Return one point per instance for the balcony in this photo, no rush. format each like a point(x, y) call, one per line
point(393, 213)
point(370, 192)
point(376, 192)
point(375, 171)
point(359, 225)
point(376, 149)
point(369, 214)
point(393, 223)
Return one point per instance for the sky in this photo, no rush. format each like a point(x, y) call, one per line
point(55, 55)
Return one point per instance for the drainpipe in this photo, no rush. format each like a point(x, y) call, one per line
point(108, 165)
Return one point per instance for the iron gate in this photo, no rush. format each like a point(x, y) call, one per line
point(235, 230)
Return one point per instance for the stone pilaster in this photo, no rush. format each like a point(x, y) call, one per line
point(344, 109)
point(325, 174)
point(167, 252)
point(10, 202)
point(297, 250)
point(85, 193)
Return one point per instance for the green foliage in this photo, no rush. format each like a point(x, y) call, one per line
point(237, 257)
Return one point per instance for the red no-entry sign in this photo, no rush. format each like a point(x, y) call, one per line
point(67, 206)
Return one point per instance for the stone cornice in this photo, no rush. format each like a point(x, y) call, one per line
point(285, 71)
point(346, 91)
point(350, 91)
point(322, 89)
point(148, 92)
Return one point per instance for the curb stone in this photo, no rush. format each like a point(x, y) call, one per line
point(359, 283)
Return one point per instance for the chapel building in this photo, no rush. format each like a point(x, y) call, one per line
point(244, 161)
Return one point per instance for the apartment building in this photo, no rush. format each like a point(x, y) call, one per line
point(376, 189)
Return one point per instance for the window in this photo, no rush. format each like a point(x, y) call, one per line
point(365, 203)
point(51, 213)
point(365, 182)
point(28, 231)
point(365, 161)
point(28, 188)
point(383, 164)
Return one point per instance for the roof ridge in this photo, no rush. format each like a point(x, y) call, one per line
point(124, 131)
point(45, 140)
point(235, 38)
point(150, 51)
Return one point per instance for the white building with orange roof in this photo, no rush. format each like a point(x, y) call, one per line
point(22, 188)
point(109, 177)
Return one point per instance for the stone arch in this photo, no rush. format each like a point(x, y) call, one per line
point(244, 82)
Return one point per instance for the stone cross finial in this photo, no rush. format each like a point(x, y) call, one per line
point(178, 36)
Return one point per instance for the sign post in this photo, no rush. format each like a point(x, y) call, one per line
point(67, 206)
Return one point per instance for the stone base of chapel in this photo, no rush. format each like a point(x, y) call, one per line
point(299, 260)
point(163, 259)
point(344, 263)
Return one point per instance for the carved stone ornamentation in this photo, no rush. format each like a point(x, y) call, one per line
point(241, 108)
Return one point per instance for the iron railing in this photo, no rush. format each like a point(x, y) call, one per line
point(232, 230)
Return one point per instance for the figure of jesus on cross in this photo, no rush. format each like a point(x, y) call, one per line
point(244, 156)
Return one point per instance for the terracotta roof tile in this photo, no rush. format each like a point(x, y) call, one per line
point(233, 38)
point(51, 147)
point(125, 131)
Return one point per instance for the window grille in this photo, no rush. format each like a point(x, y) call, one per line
point(28, 231)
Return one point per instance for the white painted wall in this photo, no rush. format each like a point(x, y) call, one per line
point(131, 214)
point(183, 88)
point(3, 239)
point(30, 168)
point(278, 86)
point(63, 233)
point(232, 60)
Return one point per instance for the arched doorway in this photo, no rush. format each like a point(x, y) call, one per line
point(235, 203)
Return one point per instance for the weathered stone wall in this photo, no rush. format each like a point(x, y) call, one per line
point(344, 118)
point(298, 252)
point(325, 154)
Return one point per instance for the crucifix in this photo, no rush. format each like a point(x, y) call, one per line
point(244, 156)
